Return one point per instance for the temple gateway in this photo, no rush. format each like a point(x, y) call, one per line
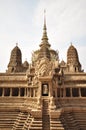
point(45, 94)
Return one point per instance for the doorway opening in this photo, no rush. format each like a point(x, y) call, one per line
point(45, 89)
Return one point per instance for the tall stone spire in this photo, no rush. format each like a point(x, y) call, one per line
point(44, 46)
point(44, 37)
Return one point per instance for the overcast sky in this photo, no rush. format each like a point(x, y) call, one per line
point(21, 21)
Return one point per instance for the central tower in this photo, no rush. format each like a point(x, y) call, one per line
point(46, 61)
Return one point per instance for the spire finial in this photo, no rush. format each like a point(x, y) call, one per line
point(44, 18)
point(16, 44)
point(71, 43)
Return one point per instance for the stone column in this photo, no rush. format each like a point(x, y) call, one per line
point(2, 92)
point(30, 92)
point(19, 92)
point(36, 92)
point(33, 92)
point(25, 92)
point(64, 92)
point(79, 92)
point(60, 92)
point(40, 90)
point(10, 92)
point(50, 92)
point(71, 92)
point(56, 93)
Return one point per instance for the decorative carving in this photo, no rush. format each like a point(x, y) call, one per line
point(44, 67)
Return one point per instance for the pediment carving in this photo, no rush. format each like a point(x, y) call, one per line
point(44, 67)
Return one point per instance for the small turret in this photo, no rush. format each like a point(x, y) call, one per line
point(15, 64)
point(73, 60)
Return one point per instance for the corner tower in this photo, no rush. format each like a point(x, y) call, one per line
point(45, 63)
point(15, 64)
point(73, 60)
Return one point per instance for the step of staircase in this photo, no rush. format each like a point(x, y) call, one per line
point(20, 121)
point(7, 119)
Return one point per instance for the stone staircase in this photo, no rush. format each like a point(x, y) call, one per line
point(30, 103)
point(55, 124)
point(69, 122)
point(80, 117)
point(27, 122)
point(45, 115)
point(11, 103)
point(50, 123)
point(20, 121)
point(64, 122)
point(7, 119)
point(36, 124)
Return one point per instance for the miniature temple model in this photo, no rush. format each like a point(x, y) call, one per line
point(46, 94)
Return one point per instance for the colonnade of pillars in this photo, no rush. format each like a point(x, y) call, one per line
point(20, 92)
point(71, 92)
